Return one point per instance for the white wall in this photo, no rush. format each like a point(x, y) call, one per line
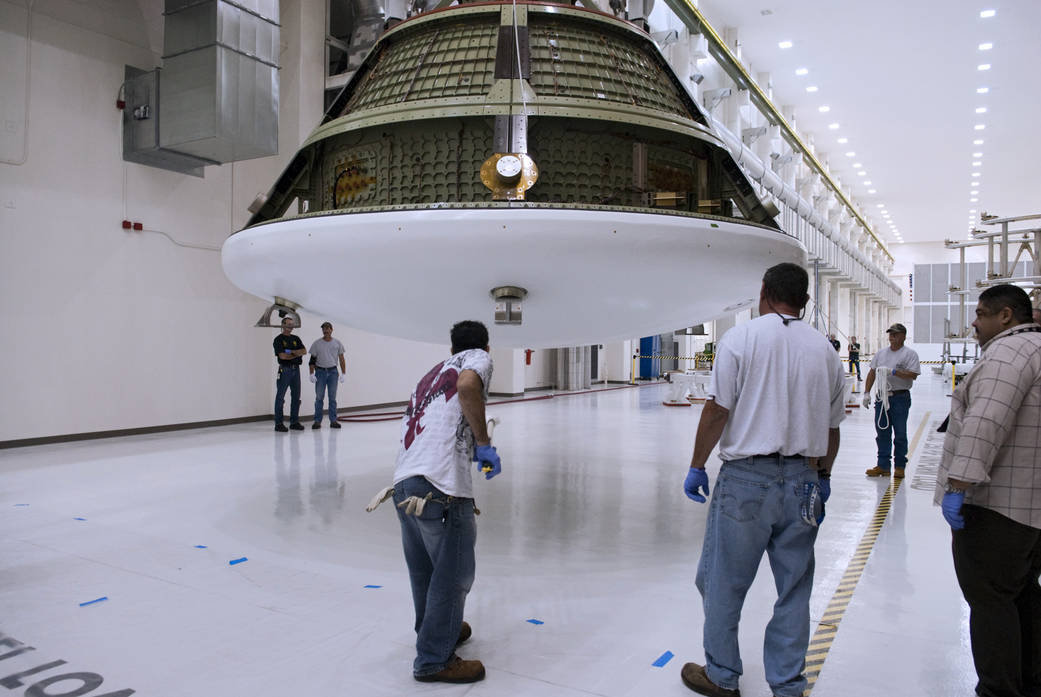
point(112, 329)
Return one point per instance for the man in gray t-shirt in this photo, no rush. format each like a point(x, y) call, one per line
point(324, 354)
point(891, 423)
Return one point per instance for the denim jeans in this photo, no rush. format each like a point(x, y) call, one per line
point(997, 561)
point(756, 507)
point(326, 379)
point(288, 377)
point(439, 551)
point(894, 436)
point(854, 363)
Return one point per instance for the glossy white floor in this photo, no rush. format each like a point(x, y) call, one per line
point(586, 530)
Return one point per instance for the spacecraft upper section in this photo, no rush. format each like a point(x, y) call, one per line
point(584, 98)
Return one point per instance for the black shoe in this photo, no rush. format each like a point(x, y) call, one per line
point(317, 425)
point(465, 632)
point(334, 424)
point(281, 428)
point(457, 671)
point(296, 427)
point(695, 678)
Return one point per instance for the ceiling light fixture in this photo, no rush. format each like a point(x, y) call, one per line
point(975, 174)
point(981, 110)
point(824, 109)
point(977, 163)
point(851, 154)
point(801, 71)
point(788, 44)
point(843, 141)
point(982, 90)
point(986, 46)
point(977, 142)
point(867, 183)
point(979, 126)
point(977, 154)
point(987, 14)
point(833, 126)
point(870, 191)
point(973, 200)
point(857, 165)
point(983, 66)
point(812, 88)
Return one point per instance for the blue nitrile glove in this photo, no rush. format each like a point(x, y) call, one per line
point(825, 485)
point(951, 507)
point(487, 461)
point(696, 479)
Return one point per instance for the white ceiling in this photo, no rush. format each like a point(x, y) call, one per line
point(900, 77)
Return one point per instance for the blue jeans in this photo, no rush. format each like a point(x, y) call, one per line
point(439, 551)
point(325, 379)
point(894, 436)
point(288, 377)
point(755, 508)
point(854, 363)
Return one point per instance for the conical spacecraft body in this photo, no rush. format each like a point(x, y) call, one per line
point(545, 149)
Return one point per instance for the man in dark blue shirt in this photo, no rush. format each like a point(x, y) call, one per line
point(288, 351)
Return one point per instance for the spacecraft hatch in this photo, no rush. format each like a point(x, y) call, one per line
point(546, 149)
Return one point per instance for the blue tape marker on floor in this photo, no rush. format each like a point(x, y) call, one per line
point(663, 659)
point(370, 586)
point(20, 504)
point(536, 621)
point(200, 546)
point(233, 562)
point(96, 600)
point(79, 518)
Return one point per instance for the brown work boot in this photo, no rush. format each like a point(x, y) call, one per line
point(465, 632)
point(877, 472)
point(898, 473)
point(457, 670)
point(694, 677)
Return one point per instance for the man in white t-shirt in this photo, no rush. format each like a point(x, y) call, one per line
point(776, 399)
point(325, 353)
point(904, 367)
point(443, 431)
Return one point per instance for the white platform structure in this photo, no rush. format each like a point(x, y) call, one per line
point(591, 276)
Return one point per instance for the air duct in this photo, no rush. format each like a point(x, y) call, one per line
point(220, 79)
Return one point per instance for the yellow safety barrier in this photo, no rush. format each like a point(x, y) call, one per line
point(699, 359)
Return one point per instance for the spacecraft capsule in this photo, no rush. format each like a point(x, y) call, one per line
point(536, 145)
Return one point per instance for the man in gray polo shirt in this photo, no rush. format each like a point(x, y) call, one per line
point(891, 424)
point(324, 354)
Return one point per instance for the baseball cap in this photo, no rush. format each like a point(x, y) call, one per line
point(897, 329)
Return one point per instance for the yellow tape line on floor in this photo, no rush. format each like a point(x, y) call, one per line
point(828, 628)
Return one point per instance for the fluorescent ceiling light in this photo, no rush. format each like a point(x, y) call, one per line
point(812, 88)
point(977, 142)
point(851, 154)
point(880, 205)
point(857, 165)
point(833, 126)
point(870, 191)
point(977, 154)
point(983, 66)
point(976, 164)
point(801, 71)
point(843, 141)
point(982, 90)
point(975, 174)
point(987, 14)
point(867, 183)
point(986, 46)
point(824, 109)
point(788, 44)
point(979, 126)
point(981, 110)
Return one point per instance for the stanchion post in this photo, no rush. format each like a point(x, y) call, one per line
point(632, 374)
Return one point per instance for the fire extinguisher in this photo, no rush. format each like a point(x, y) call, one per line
point(527, 356)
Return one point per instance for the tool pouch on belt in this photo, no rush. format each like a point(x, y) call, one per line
point(811, 505)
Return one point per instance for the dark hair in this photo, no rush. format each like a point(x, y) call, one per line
point(469, 334)
point(787, 283)
point(1015, 298)
point(327, 324)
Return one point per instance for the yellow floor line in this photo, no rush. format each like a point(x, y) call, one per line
point(820, 643)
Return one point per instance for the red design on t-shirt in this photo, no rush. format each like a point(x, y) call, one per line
point(433, 385)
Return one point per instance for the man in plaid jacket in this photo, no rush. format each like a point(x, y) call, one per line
point(989, 488)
